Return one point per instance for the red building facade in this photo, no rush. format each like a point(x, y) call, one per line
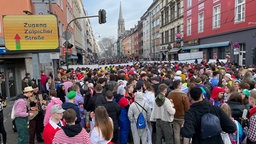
point(216, 26)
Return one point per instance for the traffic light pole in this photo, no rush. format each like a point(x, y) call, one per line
point(66, 34)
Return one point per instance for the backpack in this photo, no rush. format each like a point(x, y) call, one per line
point(210, 125)
point(141, 121)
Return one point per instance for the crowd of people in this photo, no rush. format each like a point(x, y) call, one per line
point(143, 103)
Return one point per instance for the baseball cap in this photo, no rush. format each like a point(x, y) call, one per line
point(57, 109)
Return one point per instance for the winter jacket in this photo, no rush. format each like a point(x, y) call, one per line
point(124, 125)
point(135, 109)
point(21, 106)
point(149, 98)
point(163, 109)
point(113, 111)
point(250, 131)
point(72, 133)
point(192, 124)
point(68, 105)
point(96, 100)
point(181, 103)
point(236, 109)
point(48, 109)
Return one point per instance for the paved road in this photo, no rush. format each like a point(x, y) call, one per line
point(11, 136)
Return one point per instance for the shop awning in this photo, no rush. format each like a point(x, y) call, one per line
point(174, 50)
point(204, 46)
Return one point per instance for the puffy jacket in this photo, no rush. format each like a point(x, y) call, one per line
point(192, 124)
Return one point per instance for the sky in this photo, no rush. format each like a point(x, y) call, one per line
point(132, 11)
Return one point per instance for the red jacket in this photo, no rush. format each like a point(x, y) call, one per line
point(49, 131)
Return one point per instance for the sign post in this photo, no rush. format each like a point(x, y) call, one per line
point(30, 32)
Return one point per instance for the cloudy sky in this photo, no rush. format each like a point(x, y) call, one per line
point(132, 11)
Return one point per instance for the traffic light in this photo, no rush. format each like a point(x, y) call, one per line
point(67, 45)
point(102, 16)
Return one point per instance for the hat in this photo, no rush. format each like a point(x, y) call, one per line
point(80, 76)
point(71, 94)
point(178, 72)
point(123, 102)
point(57, 109)
point(228, 75)
point(28, 89)
point(246, 92)
point(216, 91)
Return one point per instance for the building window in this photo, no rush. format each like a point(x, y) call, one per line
point(162, 17)
point(189, 3)
point(172, 15)
point(166, 36)
point(178, 29)
point(162, 37)
point(201, 22)
point(240, 11)
point(172, 34)
point(178, 9)
point(216, 17)
point(189, 22)
point(167, 15)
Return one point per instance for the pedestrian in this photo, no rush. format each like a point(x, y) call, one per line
point(36, 122)
point(163, 115)
point(102, 132)
point(250, 129)
point(137, 107)
point(54, 125)
point(21, 113)
point(54, 100)
point(2, 129)
point(124, 122)
point(192, 124)
point(113, 110)
point(181, 105)
point(71, 132)
point(71, 104)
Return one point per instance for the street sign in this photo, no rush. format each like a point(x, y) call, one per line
point(31, 32)
point(68, 35)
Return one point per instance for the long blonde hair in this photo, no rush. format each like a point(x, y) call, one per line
point(103, 122)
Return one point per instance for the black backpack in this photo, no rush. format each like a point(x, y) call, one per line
point(210, 125)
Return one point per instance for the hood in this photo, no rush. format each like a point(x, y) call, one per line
point(72, 130)
point(139, 96)
point(160, 98)
point(216, 91)
point(201, 107)
point(56, 101)
point(21, 96)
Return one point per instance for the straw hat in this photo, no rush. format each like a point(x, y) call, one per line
point(28, 89)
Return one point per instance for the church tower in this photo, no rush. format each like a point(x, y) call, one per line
point(121, 28)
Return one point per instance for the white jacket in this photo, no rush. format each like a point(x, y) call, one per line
point(165, 112)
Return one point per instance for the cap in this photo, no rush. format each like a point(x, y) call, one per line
point(178, 72)
point(57, 109)
point(228, 75)
point(246, 92)
point(71, 95)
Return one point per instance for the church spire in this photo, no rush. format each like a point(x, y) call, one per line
point(121, 28)
point(120, 11)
